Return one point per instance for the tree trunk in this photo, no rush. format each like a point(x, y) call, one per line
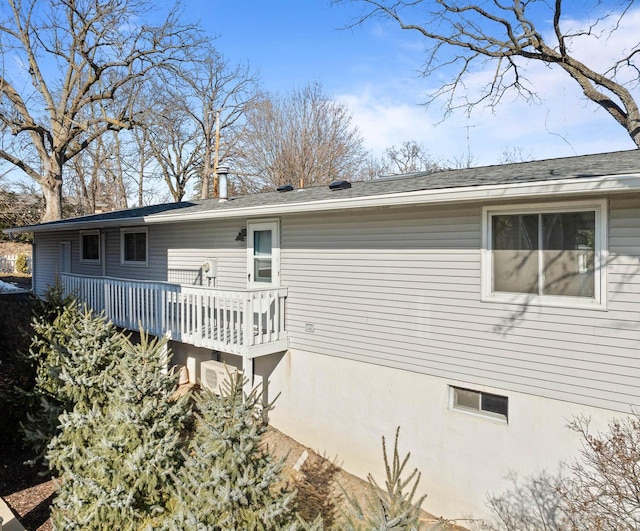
point(52, 191)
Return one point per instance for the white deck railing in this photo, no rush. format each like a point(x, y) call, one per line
point(244, 322)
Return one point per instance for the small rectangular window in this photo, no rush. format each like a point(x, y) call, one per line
point(487, 404)
point(134, 246)
point(90, 246)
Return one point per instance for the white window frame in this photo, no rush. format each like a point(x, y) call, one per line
point(135, 263)
point(479, 412)
point(599, 300)
point(89, 260)
point(274, 226)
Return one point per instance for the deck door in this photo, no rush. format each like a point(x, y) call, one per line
point(64, 258)
point(263, 254)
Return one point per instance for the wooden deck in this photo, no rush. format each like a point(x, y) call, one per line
point(248, 323)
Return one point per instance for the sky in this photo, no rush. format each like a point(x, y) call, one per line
point(374, 70)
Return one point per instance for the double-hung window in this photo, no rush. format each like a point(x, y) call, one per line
point(90, 246)
point(134, 246)
point(546, 254)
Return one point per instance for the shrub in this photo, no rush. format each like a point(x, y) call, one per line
point(22, 264)
point(120, 446)
point(599, 490)
point(393, 507)
point(228, 480)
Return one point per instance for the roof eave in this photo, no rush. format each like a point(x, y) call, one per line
point(578, 186)
point(512, 191)
point(77, 225)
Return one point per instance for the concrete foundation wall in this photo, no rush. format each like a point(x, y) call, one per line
point(341, 408)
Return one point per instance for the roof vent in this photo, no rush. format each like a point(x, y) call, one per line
point(285, 188)
point(339, 185)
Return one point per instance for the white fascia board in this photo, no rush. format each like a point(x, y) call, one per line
point(557, 188)
point(80, 225)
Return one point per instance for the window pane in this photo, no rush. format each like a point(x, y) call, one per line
point(262, 243)
point(262, 269)
point(90, 247)
point(141, 247)
point(495, 404)
point(569, 253)
point(135, 247)
point(515, 253)
point(466, 399)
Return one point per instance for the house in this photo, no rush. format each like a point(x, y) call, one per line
point(479, 309)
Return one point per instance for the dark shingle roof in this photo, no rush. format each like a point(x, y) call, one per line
point(617, 163)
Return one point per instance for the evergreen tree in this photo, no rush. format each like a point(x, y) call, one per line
point(392, 508)
point(69, 351)
point(228, 480)
point(118, 454)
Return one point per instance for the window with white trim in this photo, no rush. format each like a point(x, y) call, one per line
point(134, 246)
point(90, 246)
point(263, 254)
point(486, 404)
point(545, 254)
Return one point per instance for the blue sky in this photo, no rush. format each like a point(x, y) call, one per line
point(374, 70)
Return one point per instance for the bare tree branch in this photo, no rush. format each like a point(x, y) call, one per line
point(84, 59)
point(460, 35)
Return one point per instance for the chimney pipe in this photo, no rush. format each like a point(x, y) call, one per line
point(222, 183)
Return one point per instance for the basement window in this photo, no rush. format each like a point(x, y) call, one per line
point(485, 404)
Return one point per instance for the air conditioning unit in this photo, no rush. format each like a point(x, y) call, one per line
point(214, 374)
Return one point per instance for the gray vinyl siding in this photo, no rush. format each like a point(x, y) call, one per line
point(173, 248)
point(46, 251)
point(401, 288)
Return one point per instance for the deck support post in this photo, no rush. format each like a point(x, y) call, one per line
point(247, 370)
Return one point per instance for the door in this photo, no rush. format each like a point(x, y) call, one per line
point(263, 254)
point(64, 260)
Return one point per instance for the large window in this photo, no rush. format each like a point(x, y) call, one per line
point(90, 246)
point(134, 246)
point(548, 254)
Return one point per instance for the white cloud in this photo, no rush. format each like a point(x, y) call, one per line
point(564, 123)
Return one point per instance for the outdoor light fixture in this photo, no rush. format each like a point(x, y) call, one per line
point(242, 235)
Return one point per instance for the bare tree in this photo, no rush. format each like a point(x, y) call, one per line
point(303, 138)
point(83, 60)
point(408, 157)
point(460, 35)
point(200, 102)
point(97, 178)
point(599, 490)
